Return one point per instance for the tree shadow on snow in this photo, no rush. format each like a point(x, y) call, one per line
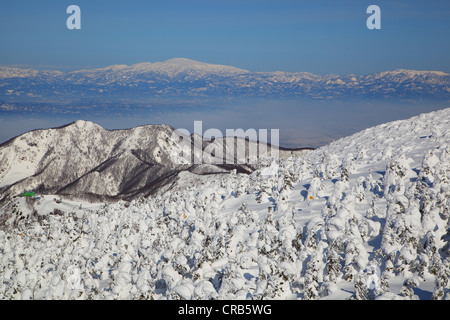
point(423, 294)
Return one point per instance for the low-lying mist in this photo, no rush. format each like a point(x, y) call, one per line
point(301, 123)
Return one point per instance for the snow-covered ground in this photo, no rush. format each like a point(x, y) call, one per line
point(365, 217)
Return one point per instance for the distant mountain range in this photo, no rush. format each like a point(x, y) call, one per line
point(188, 78)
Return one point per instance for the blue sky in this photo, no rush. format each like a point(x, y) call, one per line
point(319, 36)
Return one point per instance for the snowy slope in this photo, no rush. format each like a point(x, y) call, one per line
point(366, 217)
point(84, 160)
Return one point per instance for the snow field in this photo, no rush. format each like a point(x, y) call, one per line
point(366, 217)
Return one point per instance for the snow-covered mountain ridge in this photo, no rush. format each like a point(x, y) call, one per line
point(84, 160)
point(176, 66)
point(184, 77)
point(365, 217)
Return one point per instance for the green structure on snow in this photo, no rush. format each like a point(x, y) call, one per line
point(28, 194)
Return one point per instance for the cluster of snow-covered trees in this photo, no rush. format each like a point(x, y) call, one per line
point(364, 217)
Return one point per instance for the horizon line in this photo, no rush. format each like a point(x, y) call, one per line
point(69, 69)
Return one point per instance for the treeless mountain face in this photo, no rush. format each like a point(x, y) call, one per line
point(83, 159)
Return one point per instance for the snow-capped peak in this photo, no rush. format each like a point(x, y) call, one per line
point(171, 68)
point(176, 66)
